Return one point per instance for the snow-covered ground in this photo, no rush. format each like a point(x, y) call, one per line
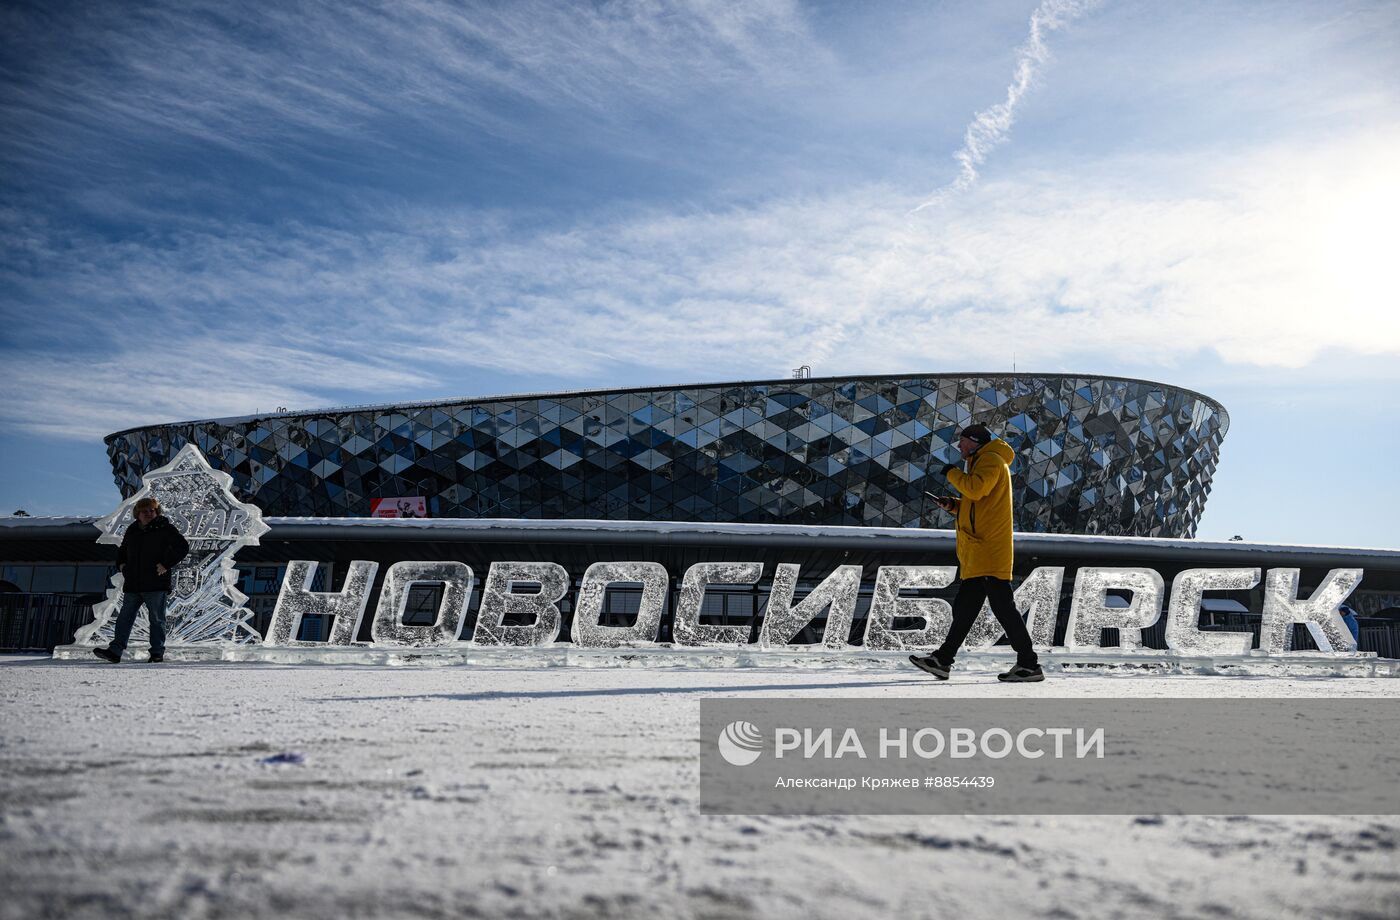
point(142, 791)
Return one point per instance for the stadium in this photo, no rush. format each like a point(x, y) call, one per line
point(816, 472)
point(1095, 454)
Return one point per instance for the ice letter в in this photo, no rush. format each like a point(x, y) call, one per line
point(499, 600)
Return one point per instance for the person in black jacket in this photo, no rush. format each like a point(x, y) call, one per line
point(150, 548)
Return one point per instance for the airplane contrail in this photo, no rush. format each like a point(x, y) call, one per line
point(990, 127)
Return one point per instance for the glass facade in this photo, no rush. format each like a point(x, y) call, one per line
point(56, 579)
point(1094, 454)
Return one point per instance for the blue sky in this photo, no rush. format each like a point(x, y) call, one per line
point(211, 209)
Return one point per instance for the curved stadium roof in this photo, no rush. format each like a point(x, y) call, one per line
point(1095, 454)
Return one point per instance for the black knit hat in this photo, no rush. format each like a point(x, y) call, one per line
point(978, 433)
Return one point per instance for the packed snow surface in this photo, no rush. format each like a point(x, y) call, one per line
point(227, 789)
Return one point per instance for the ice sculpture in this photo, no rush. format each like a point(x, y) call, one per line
point(389, 627)
point(698, 577)
point(839, 592)
point(1037, 599)
point(886, 605)
point(205, 604)
point(1089, 613)
point(296, 601)
point(1319, 613)
point(588, 632)
point(1184, 633)
point(499, 601)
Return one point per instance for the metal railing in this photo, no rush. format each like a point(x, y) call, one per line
point(39, 622)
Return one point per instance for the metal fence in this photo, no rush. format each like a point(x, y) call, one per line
point(1383, 638)
point(1379, 636)
point(39, 622)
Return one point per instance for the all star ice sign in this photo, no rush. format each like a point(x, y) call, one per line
point(205, 604)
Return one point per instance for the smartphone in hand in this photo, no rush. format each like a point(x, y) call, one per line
point(943, 501)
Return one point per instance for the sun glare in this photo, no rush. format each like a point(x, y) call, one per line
point(1358, 246)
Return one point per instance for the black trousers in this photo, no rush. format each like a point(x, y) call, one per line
point(968, 604)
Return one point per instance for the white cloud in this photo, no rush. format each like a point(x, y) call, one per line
point(85, 397)
point(261, 79)
point(1268, 259)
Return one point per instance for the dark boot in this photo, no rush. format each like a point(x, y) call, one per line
point(1022, 674)
point(932, 664)
point(107, 654)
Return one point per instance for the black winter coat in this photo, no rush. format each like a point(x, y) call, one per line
point(145, 547)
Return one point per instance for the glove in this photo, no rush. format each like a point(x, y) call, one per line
point(949, 466)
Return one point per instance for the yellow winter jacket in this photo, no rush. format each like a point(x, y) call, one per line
point(984, 512)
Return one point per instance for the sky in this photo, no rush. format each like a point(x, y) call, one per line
point(212, 209)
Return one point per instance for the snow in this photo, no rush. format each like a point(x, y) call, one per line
point(211, 789)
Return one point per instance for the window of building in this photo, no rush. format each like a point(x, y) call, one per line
point(53, 579)
point(255, 580)
point(93, 579)
point(18, 575)
point(622, 603)
point(727, 605)
point(267, 579)
point(421, 606)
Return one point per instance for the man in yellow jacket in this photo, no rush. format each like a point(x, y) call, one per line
point(985, 554)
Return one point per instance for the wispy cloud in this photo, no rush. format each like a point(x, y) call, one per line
point(990, 127)
point(1265, 255)
point(86, 396)
point(263, 80)
point(1063, 269)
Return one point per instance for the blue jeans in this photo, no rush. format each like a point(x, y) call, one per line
point(126, 618)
